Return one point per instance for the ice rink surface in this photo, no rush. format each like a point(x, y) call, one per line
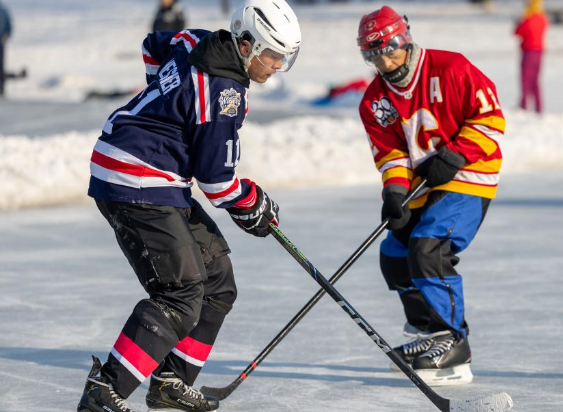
point(67, 290)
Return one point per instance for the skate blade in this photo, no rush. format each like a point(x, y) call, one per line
point(167, 409)
point(458, 375)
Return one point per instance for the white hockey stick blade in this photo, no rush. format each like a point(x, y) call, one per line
point(495, 403)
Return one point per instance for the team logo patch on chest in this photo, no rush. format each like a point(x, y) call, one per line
point(384, 112)
point(229, 101)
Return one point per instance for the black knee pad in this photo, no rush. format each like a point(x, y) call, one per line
point(220, 287)
point(154, 317)
point(430, 257)
point(395, 272)
point(181, 306)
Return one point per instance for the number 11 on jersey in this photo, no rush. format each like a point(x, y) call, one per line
point(232, 162)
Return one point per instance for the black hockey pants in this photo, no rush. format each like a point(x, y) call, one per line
point(180, 258)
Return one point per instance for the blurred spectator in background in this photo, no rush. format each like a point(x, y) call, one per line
point(488, 5)
point(351, 90)
point(5, 32)
point(169, 16)
point(531, 29)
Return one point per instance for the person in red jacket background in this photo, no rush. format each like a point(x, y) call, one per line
point(531, 29)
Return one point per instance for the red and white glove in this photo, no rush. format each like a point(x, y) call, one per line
point(254, 213)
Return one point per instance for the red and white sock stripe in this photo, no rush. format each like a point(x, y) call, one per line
point(135, 359)
point(219, 193)
point(192, 351)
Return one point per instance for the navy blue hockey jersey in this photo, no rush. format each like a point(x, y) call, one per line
point(183, 125)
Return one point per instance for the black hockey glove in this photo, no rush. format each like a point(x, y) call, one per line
point(393, 197)
point(255, 212)
point(440, 168)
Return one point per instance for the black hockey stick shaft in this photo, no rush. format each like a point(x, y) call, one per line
point(222, 393)
point(441, 403)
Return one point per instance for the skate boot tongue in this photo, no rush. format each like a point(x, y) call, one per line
point(168, 376)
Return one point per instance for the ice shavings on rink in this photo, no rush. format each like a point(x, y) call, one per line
point(296, 152)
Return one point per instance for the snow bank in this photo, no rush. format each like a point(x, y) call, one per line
point(297, 152)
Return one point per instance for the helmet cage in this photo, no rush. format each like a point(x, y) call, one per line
point(379, 46)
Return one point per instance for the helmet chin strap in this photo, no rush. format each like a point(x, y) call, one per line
point(245, 60)
point(395, 76)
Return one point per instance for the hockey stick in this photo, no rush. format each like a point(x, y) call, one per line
point(493, 403)
point(222, 393)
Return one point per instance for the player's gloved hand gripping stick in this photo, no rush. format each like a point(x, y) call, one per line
point(222, 393)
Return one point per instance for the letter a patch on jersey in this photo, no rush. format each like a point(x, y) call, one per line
point(384, 112)
point(229, 101)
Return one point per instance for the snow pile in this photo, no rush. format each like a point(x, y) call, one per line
point(44, 171)
point(296, 152)
point(306, 151)
point(303, 152)
point(532, 143)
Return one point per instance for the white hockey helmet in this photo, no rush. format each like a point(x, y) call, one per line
point(267, 24)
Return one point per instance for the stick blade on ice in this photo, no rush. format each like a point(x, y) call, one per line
point(219, 393)
point(495, 403)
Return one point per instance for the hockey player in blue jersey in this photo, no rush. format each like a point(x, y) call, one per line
point(182, 128)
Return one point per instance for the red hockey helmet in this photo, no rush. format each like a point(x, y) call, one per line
point(382, 32)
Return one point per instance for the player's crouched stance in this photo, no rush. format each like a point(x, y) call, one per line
point(431, 114)
point(182, 126)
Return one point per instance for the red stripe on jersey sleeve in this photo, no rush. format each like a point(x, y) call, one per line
point(223, 193)
point(149, 60)
point(187, 37)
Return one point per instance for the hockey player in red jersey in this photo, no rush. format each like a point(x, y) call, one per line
point(183, 127)
point(431, 114)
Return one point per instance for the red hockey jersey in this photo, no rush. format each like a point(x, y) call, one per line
point(448, 102)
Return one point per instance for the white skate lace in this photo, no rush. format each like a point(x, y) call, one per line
point(188, 390)
point(119, 401)
point(440, 346)
point(420, 344)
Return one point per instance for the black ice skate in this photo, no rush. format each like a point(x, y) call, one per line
point(168, 391)
point(99, 395)
point(418, 343)
point(447, 362)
